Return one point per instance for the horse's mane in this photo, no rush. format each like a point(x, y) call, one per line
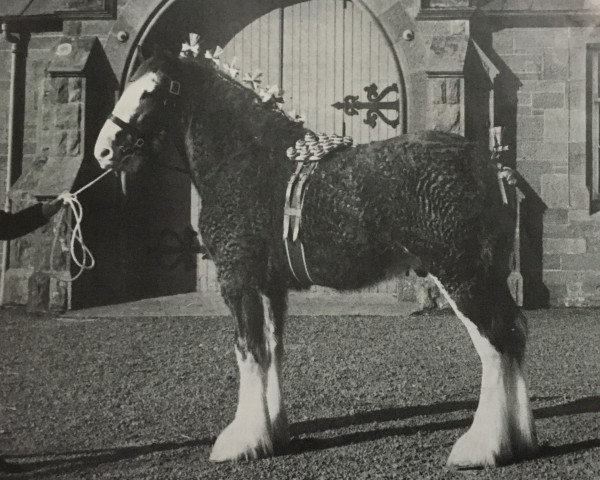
point(219, 92)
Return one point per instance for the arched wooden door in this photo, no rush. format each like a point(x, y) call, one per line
point(323, 54)
point(335, 68)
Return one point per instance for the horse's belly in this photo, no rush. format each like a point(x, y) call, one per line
point(344, 255)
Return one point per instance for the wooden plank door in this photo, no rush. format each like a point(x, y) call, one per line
point(320, 53)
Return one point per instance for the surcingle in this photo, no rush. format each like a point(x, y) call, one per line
point(307, 153)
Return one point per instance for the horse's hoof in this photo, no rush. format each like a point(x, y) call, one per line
point(281, 433)
point(476, 451)
point(242, 442)
point(527, 448)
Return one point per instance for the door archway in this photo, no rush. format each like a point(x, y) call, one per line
point(332, 59)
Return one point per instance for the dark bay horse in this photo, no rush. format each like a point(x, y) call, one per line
point(425, 201)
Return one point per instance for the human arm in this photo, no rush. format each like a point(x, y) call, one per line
point(14, 225)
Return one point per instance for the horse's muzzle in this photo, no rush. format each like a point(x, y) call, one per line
point(105, 157)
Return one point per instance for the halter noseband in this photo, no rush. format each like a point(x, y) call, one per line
point(141, 140)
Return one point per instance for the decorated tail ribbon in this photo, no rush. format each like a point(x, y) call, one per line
point(504, 173)
point(84, 260)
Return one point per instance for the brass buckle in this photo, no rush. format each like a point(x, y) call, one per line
point(175, 88)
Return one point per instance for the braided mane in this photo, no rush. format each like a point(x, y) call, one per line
point(216, 94)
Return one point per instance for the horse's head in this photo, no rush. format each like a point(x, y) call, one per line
point(143, 116)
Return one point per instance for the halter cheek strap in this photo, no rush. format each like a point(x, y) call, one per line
point(140, 142)
point(127, 127)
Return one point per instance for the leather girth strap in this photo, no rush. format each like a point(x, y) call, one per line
point(292, 219)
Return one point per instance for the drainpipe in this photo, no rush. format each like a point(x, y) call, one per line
point(18, 43)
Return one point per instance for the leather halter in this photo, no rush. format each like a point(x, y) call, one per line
point(141, 138)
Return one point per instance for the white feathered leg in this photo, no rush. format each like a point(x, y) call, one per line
point(503, 428)
point(249, 436)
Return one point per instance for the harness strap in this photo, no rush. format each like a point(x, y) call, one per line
point(126, 127)
point(141, 142)
point(292, 219)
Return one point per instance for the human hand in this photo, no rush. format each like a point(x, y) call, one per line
point(51, 207)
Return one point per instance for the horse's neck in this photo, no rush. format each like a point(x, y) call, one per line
point(226, 122)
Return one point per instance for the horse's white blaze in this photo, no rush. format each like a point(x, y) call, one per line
point(503, 423)
point(249, 435)
point(125, 109)
point(277, 413)
point(130, 100)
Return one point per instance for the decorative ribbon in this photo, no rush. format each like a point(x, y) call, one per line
point(270, 93)
point(231, 69)
point(214, 56)
point(192, 47)
point(254, 80)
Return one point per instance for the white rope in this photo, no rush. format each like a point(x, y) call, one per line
point(84, 260)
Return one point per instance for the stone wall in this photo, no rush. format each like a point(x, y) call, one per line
point(56, 144)
point(549, 64)
point(541, 99)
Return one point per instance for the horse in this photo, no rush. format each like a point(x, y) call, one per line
point(424, 201)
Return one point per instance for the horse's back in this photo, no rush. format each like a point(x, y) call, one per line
point(430, 137)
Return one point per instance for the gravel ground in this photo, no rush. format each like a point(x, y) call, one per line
point(368, 397)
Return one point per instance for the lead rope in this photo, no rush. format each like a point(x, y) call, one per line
point(85, 261)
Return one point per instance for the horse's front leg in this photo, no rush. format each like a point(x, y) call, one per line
point(274, 307)
point(250, 435)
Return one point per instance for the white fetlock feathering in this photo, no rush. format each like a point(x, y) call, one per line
point(250, 435)
point(502, 427)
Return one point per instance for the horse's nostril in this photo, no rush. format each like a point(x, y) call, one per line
point(106, 154)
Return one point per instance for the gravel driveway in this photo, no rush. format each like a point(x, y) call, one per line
point(368, 397)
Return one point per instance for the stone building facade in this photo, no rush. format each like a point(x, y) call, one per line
point(529, 66)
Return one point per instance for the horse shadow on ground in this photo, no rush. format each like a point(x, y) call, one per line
point(301, 445)
point(88, 459)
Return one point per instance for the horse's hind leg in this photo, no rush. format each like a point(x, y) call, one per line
point(503, 428)
point(274, 307)
point(250, 435)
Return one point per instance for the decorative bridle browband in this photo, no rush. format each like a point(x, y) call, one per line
point(141, 139)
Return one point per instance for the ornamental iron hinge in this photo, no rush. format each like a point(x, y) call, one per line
point(374, 105)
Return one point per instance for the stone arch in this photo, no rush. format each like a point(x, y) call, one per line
point(140, 20)
point(137, 17)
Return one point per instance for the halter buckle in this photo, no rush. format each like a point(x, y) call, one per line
point(175, 88)
point(139, 143)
